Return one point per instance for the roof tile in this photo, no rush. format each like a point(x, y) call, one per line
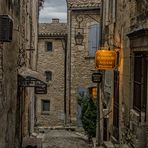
point(83, 3)
point(52, 29)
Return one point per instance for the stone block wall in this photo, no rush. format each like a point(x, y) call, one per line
point(8, 81)
point(126, 21)
point(12, 57)
point(51, 61)
point(81, 65)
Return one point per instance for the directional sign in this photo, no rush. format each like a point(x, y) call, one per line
point(41, 90)
point(40, 87)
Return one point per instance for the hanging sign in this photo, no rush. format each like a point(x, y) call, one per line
point(105, 59)
point(40, 87)
point(96, 77)
point(41, 90)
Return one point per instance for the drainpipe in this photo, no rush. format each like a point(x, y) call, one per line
point(64, 44)
point(69, 66)
point(65, 85)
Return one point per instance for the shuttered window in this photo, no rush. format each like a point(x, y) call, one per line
point(93, 39)
point(140, 82)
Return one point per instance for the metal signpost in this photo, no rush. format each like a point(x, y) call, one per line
point(97, 78)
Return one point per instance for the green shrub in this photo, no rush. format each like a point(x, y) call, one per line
point(88, 115)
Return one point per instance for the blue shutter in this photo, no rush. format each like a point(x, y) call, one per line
point(93, 39)
point(82, 91)
point(98, 35)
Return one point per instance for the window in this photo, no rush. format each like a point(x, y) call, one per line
point(45, 105)
point(93, 39)
point(48, 75)
point(140, 82)
point(49, 46)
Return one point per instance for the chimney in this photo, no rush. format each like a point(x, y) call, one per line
point(55, 20)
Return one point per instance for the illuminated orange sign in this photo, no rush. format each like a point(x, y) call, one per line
point(105, 59)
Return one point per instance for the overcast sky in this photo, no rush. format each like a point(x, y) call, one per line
point(53, 9)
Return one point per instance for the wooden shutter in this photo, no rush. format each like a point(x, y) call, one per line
point(140, 82)
point(93, 39)
point(137, 82)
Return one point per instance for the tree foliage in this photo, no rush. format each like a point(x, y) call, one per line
point(88, 115)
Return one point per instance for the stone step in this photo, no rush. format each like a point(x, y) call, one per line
point(34, 142)
point(108, 144)
point(46, 129)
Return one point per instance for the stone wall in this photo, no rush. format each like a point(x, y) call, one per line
point(81, 66)
point(126, 21)
point(51, 61)
point(8, 81)
point(12, 57)
point(115, 28)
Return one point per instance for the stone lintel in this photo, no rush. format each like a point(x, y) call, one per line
point(138, 38)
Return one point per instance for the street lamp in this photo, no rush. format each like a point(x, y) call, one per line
point(79, 38)
point(79, 31)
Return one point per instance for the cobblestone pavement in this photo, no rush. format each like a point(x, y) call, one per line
point(63, 139)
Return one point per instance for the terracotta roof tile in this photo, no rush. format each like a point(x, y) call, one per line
point(83, 3)
point(52, 29)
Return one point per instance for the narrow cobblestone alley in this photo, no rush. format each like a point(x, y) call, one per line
point(63, 139)
point(73, 73)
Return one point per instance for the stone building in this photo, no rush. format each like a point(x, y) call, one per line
point(52, 48)
point(83, 22)
point(8, 80)
point(28, 77)
point(17, 59)
point(125, 27)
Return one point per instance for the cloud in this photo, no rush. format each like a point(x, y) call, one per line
point(53, 9)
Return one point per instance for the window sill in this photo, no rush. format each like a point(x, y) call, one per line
point(45, 113)
point(89, 57)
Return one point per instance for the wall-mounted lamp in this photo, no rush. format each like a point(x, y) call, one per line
point(79, 37)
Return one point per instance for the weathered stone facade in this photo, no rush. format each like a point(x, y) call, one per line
point(27, 60)
point(8, 82)
point(52, 60)
point(125, 28)
point(81, 16)
point(14, 55)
